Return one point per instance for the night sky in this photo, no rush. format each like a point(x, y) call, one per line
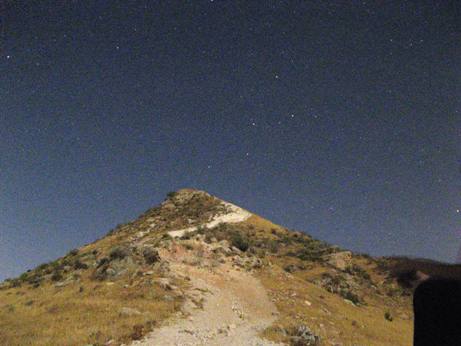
point(338, 118)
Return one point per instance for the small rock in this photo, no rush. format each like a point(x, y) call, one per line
point(404, 316)
point(110, 272)
point(236, 250)
point(62, 283)
point(165, 284)
point(126, 312)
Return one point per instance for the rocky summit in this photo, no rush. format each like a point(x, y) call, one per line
point(197, 270)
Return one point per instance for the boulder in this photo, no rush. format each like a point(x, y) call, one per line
point(340, 260)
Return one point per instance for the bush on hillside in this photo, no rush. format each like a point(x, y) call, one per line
point(57, 276)
point(119, 252)
point(356, 270)
point(273, 246)
point(171, 194)
point(388, 316)
point(73, 252)
point(349, 295)
point(239, 241)
point(150, 255)
point(80, 265)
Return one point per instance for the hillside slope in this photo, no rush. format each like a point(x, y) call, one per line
point(200, 271)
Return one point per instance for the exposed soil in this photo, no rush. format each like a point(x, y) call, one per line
point(224, 307)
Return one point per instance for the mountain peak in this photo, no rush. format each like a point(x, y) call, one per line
point(186, 194)
point(218, 267)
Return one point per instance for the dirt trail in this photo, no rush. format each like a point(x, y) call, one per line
point(235, 309)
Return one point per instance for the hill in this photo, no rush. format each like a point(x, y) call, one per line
point(197, 270)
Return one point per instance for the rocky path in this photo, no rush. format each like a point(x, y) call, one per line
point(226, 307)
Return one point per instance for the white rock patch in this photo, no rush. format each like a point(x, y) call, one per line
point(234, 215)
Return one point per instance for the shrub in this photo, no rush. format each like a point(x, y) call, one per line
point(73, 252)
point(102, 262)
point(201, 229)
point(290, 268)
point(35, 280)
point(273, 246)
point(338, 284)
point(150, 255)
point(15, 283)
point(349, 295)
point(240, 242)
point(309, 255)
point(171, 194)
point(57, 276)
point(55, 265)
point(138, 332)
point(80, 265)
point(388, 316)
point(166, 236)
point(302, 336)
point(119, 252)
point(285, 239)
point(42, 267)
point(186, 236)
point(355, 269)
point(395, 292)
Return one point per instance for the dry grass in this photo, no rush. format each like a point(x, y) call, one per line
point(49, 315)
point(330, 316)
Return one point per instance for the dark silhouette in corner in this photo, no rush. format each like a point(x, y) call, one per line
point(436, 302)
point(437, 310)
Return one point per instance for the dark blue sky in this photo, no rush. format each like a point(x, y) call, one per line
point(338, 119)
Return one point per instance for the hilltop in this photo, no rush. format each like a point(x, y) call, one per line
point(197, 270)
